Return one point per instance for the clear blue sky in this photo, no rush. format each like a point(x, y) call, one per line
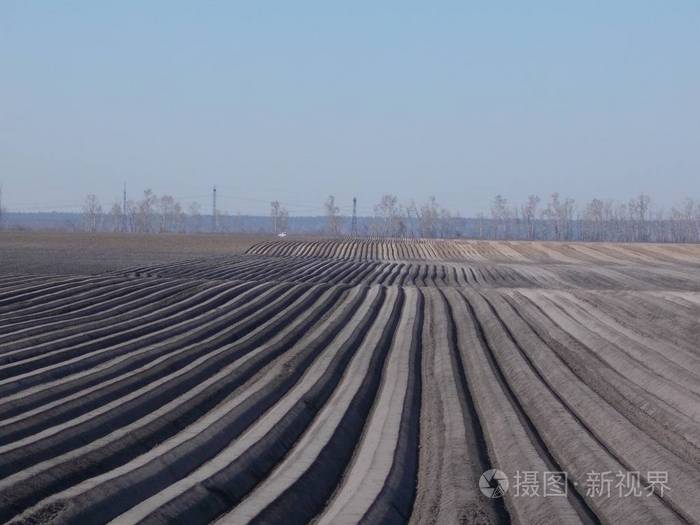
point(297, 100)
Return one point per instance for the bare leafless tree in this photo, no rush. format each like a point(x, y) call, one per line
point(566, 217)
point(499, 216)
point(146, 209)
point(275, 208)
point(559, 215)
point(686, 221)
point(280, 217)
point(428, 218)
point(639, 209)
point(434, 220)
point(166, 213)
point(332, 216)
point(387, 220)
point(529, 213)
point(116, 217)
point(132, 211)
point(593, 220)
point(92, 213)
point(179, 222)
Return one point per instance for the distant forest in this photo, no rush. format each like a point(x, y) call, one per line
point(560, 218)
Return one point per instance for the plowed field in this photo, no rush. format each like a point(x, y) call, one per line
point(356, 381)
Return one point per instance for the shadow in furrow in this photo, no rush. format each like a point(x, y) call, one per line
point(474, 431)
point(178, 319)
point(308, 495)
point(108, 500)
point(138, 294)
point(575, 499)
point(124, 302)
point(395, 501)
point(190, 333)
point(104, 424)
point(90, 401)
point(224, 490)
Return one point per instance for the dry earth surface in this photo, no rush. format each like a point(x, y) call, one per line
point(90, 253)
point(346, 381)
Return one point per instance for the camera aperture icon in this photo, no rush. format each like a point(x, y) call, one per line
point(493, 483)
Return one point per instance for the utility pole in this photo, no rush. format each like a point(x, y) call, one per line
point(213, 210)
point(353, 230)
point(124, 209)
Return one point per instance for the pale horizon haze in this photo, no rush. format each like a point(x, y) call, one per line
point(293, 101)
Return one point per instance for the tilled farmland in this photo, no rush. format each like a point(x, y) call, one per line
point(346, 381)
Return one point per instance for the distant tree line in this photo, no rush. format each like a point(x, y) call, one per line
point(152, 214)
point(427, 220)
point(559, 218)
point(636, 220)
